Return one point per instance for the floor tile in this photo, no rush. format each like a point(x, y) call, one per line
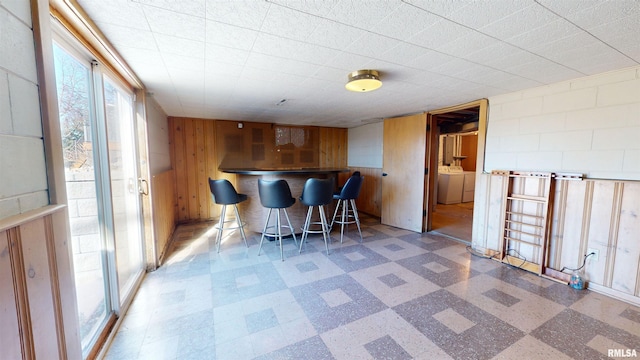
point(395, 295)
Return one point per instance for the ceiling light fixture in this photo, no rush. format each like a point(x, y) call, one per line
point(363, 81)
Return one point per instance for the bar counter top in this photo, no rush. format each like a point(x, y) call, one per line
point(284, 171)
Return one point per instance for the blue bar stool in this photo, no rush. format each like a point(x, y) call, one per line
point(276, 194)
point(225, 194)
point(347, 201)
point(317, 193)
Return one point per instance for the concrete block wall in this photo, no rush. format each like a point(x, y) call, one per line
point(23, 179)
point(588, 125)
point(83, 219)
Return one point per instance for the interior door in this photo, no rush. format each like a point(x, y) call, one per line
point(403, 171)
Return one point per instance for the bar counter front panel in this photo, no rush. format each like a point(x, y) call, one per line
point(252, 211)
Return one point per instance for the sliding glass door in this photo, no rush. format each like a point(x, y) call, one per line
point(99, 149)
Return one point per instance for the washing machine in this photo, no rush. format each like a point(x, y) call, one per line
point(450, 184)
point(468, 186)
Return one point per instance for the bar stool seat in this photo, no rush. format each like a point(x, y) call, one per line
point(276, 194)
point(347, 201)
point(224, 194)
point(317, 193)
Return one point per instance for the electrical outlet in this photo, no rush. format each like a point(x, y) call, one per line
point(596, 254)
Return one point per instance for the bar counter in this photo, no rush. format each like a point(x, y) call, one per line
point(252, 211)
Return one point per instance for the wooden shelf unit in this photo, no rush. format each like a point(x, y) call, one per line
point(526, 215)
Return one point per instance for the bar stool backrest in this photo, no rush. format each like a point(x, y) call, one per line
point(351, 188)
point(275, 194)
point(317, 192)
point(223, 192)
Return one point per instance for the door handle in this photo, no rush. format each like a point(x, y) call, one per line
point(143, 187)
point(384, 174)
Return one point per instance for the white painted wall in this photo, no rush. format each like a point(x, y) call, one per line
point(588, 125)
point(365, 146)
point(158, 134)
point(23, 179)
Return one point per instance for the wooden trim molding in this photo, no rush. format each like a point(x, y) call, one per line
point(55, 286)
point(20, 290)
point(20, 219)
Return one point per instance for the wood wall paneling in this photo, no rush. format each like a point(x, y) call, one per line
point(39, 283)
point(9, 320)
point(164, 219)
point(66, 284)
point(626, 266)
point(370, 197)
point(333, 147)
point(200, 146)
point(589, 214)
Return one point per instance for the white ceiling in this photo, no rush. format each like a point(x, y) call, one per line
point(238, 59)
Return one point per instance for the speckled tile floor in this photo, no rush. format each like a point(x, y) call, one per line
point(398, 295)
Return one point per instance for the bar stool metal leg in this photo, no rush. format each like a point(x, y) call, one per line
point(356, 217)
point(264, 230)
point(220, 227)
point(240, 224)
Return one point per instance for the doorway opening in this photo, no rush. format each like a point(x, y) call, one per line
point(457, 154)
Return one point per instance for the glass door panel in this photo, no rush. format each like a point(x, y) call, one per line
point(124, 186)
point(74, 88)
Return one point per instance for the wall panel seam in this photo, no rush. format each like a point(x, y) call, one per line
point(614, 225)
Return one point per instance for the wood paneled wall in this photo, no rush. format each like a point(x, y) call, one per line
point(197, 151)
point(333, 147)
point(163, 197)
point(370, 199)
point(588, 214)
point(37, 297)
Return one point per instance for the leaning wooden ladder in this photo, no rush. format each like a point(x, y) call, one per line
point(527, 207)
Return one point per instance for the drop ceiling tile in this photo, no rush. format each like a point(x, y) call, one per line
point(249, 14)
point(364, 14)
point(347, 62)
point(291, 24)
point(472, 42)
point(175, 61)
point(626, 27)
point(222, 54)
point(168, 44)
point(520, 22)
point(441, 8)
point(188, 7)
point(544, 70)
point(567, 8)
point(335, 35)
point(454, 66)
point(281, 65)
point(405, 22)
point(216, 68)
point(402, 53)
point(175, 24)
point(500, 54)
point(477, 14)
point(548, 33)
point(116, 12)
point(230, 35)
point(371, 45)
point(282, 47)
point(577, 41)
point(438, 34)
point(316, 7)
point(429, 59)
point(601, 12)
point(121, 36)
